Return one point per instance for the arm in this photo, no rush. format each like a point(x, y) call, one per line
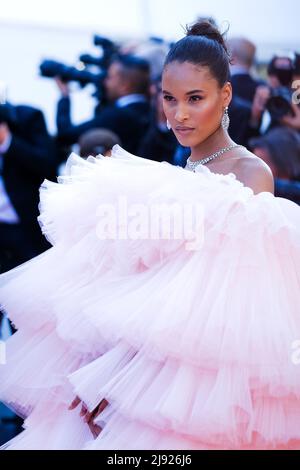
point(37, 153)
point(158, 145)
point(68, 134)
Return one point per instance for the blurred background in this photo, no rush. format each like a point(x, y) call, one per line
point(85, 76)
point(32, 31)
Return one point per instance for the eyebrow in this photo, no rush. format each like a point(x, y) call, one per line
point(188, 93)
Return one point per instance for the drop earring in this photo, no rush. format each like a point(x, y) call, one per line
point(225, 119)
point(168, 125)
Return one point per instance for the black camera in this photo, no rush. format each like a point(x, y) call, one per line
point(51, 69)
point(109, 50)
point(280, 102)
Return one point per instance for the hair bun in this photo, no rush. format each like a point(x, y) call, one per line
point(207, 29)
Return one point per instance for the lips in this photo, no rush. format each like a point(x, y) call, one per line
point(184, 130)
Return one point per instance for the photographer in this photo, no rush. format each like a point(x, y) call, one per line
point(244, 85)
point(280, 149)
point(27, 157)
point(293, 121)
point(128, 113)
point(276, 104)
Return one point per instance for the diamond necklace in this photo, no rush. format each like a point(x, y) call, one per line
point(190, 165)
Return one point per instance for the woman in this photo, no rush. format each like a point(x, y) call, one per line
point(197, 95)
point(183, 341)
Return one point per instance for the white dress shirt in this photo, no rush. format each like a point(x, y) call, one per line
point(129, 99)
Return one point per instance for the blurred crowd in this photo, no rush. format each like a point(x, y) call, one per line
point(264, 117)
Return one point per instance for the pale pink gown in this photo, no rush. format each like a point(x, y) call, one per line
point(192, 348)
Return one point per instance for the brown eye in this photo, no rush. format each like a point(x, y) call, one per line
point(168, 98)
point(196, 98)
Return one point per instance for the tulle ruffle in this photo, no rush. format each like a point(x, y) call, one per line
point(224, 408)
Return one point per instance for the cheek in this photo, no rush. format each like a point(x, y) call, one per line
point(166, 108)
point(207, 113)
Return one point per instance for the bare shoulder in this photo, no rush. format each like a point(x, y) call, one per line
point(254, 173)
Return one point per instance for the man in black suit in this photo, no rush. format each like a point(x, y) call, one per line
point(27, 157)
point(242, 56)
point(127, 87)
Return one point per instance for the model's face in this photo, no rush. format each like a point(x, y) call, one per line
point(193, 101)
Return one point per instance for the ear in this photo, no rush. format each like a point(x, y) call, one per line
point(227, 94)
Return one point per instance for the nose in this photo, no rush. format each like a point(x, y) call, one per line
point(181, 114)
